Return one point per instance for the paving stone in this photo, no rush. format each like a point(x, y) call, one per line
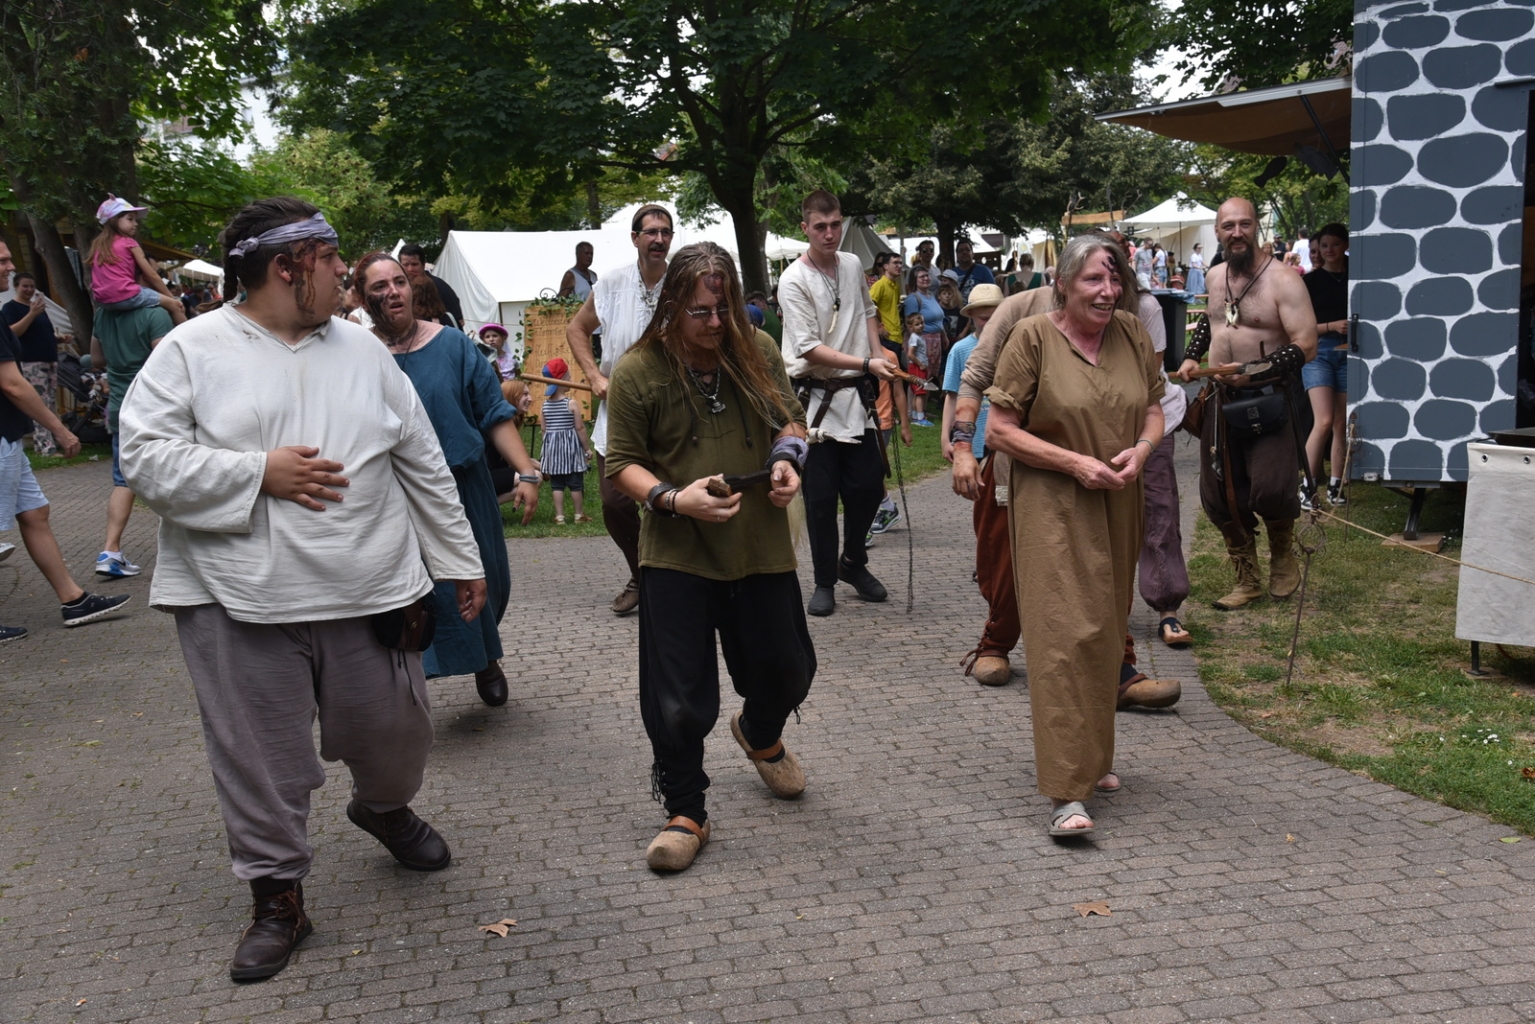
point(913, 882)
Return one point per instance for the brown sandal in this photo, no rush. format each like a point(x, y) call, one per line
point(1173, 634)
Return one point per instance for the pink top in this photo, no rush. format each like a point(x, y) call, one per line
point(114, 282)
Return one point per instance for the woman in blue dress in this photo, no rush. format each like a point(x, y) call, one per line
point(459, 390)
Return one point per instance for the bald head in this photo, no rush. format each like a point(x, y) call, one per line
point(1236, 206)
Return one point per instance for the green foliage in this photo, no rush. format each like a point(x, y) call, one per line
point(523, 101)
point(1299, 197)
point(1258, 42)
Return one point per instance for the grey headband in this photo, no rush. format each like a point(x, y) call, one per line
point(315, 227)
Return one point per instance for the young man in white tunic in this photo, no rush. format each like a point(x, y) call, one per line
point(619, 307)
point(303, 498)
point(830, 344)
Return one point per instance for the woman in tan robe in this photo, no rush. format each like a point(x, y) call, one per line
point(1076, 404)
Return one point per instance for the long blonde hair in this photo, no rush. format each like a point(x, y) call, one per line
point(740, 358)
point(102, 253)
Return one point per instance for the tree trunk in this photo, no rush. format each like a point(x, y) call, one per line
point(741, 204)
point(593, 207)
point(61, 275)
point(946, 231)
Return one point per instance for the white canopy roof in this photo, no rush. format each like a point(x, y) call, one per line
point(202, 270)
point(1177, 212)
point(492, 269)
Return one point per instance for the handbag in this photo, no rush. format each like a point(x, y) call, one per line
point(410, 628)
point(1259, 411)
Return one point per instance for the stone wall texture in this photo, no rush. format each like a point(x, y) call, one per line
point(1435, 227)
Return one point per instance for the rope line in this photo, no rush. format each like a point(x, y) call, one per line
point(1433, 554)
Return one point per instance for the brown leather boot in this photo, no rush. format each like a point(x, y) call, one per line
point(1249, 586)
point(280, 924)
point(1284, 568)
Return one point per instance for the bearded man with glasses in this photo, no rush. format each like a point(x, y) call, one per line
point(706, 430)
point(620, 307)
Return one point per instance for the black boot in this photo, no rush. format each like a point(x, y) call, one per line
point(413, 842)
point(279, 925)
point(490, 683)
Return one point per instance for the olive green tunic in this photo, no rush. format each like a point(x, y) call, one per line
point(660, 422)
point(1075, 549)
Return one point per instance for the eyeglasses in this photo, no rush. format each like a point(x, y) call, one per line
point(657, 232)
point(705, 312)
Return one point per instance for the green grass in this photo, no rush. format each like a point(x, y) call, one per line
point(923, 459)
point(88, 453)
point(1379, 686)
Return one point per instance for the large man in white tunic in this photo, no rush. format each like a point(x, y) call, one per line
point(304, 502)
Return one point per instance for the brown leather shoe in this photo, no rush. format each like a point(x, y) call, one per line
point(628, 599)
point(279, 925)
point(784, 777)
point(674, 851)
point(1138, 691)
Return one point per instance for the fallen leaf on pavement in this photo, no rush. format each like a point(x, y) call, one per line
point(500, 927)
point(1100, 908)
point(80, 1003)
point(1528, 773)
point(1509, 839)
point(1289, 838)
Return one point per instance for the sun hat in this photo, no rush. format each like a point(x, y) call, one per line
point(495, 327)
point(951, 274)
point(982, 296)
point(115, 207)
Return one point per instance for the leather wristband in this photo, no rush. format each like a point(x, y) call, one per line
point(963, 431)
point(1199, 343)
point(653, 501)
point(1283, 363)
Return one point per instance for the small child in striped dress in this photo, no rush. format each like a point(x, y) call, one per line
point(566, 451)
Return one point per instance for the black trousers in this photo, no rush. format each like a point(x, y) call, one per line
point(855, 473)
point(1265, 475)
point(761, 626)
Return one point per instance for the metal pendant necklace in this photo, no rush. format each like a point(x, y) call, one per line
point(1234, 306)
point(711, 393)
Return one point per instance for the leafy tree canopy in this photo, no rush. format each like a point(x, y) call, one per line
point(1258, 43)
point(462, 90)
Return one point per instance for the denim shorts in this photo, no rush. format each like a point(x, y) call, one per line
point(1330, 367)
point(146, 297)
point(117, 466)
point(19, 491)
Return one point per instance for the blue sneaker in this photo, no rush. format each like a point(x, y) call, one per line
point(116, 568)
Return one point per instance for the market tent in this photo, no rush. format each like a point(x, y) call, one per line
point(200, 270)
point(1177, 223)
point(497, 273)
point(862, 241)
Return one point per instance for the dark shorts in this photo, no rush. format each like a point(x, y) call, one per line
point(574, 482)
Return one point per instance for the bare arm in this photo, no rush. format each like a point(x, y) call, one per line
point(98, 357)
point(692, 500)
point(508, 442)
point(147, 271)
point(33, 311)
point(575, 414)
point(579, 337)
point(824, 355)
point(24, 397)
point(1297, 314)
point(568, 284)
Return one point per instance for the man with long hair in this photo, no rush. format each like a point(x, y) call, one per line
point(704, 428)
point(237, 432)
point(832, 351)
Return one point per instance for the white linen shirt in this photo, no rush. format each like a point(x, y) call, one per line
point(811, 318)
point(214, 397)
point(624, 307)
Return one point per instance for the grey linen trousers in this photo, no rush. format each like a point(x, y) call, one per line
point(259, 688)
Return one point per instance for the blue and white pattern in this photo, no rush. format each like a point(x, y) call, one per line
point(1439, 124)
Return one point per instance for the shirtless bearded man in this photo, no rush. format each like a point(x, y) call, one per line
point(1257, 316)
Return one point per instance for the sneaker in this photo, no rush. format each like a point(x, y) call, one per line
point(1306, 504)
point(884, 519)
point(923, 422)
point(5, 551)
point(1335, 495)
point(9, 633)
point(92, 607)
point(116, 568)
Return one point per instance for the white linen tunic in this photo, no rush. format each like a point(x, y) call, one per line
point(215, 396)
point(624, 307)
point(811, 317)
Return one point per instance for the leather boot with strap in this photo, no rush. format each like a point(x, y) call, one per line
point(1284, 568)
point(1249, 586)
point(279, 924)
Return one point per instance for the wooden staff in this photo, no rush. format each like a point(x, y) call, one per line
point(1211, 371)
point(535, 378)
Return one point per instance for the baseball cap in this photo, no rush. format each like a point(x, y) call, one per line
point(559, 370)
point(115, 207)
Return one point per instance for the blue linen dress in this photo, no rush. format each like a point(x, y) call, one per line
point(462, 397)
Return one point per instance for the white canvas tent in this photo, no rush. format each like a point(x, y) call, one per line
point(1177, 223)
point(200, 270)
point(497, 273)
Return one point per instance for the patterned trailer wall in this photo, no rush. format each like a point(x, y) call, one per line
point(1440, 124)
